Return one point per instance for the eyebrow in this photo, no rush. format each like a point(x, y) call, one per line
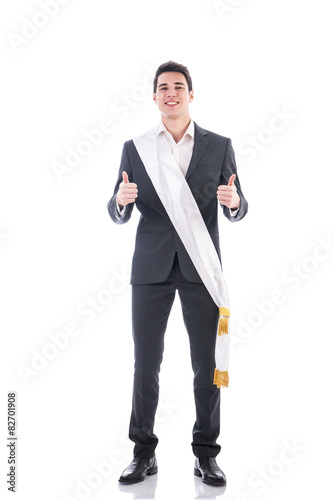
point(165, 84)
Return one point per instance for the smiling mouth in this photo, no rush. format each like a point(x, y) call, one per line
point(172, 103)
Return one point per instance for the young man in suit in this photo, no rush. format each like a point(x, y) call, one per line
point(161, 265)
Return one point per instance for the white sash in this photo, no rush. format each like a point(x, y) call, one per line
point(180, 205)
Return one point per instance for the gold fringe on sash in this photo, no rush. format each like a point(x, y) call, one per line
point(221, 379)
point(223, 321)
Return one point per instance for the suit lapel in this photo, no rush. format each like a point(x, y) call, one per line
point(201, 141)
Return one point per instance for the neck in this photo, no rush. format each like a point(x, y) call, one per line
point(176, 127)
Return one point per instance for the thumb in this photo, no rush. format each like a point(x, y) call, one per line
point(125, 177)
point(232, 179)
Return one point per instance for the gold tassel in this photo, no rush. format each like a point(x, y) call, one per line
point(223, 326)
point(224, 311)
point(221, 379)
point(223, 321)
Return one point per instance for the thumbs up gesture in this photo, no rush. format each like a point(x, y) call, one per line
point(227, 195)
point(127, 192)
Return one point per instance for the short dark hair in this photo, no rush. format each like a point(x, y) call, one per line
point(177, 68)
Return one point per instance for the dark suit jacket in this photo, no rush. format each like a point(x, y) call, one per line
point(212, 163)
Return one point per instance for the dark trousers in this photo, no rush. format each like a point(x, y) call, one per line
point(151, 306)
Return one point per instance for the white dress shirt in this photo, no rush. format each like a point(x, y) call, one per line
point(181, 151)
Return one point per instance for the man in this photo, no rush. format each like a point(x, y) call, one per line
point(162, 263)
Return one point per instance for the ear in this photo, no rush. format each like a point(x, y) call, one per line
point(154, 98)
point(191, 95)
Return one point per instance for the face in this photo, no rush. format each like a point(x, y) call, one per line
point(172, 95)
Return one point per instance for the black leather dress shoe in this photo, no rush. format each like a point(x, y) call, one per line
point(207, 468)
point(138, 469)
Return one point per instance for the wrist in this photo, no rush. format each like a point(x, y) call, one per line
point(237, 204)
point(118, 203)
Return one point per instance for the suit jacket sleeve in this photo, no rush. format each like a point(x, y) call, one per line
point(112, 204)
point(229, 168)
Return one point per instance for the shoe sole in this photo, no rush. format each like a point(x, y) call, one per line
point(211, 483)
point(150, 472)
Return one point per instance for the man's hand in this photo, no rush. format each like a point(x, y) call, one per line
point(227, 195)
point(127, 192)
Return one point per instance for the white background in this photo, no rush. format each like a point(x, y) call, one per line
point(249, 60)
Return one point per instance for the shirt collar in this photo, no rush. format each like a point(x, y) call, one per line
point(189, 131)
